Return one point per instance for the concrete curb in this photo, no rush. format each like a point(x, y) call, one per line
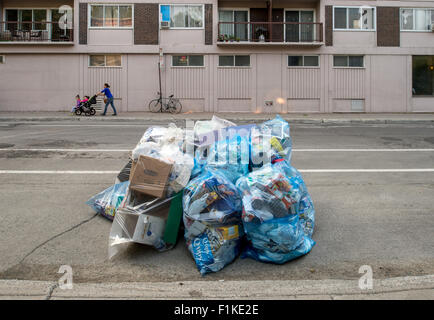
point(420, 287)
point(319, 121)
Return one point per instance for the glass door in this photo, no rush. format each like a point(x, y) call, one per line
point(232, 29)
point(12, 17)
point(299, 27)
point(241, 32)
point(56, 32)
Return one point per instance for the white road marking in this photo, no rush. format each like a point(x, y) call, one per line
point(68, 150)
point(364, 150)
point(301, 170)
point(55, 172)
point(83, 125)
point(295, 150)
point(364, 170)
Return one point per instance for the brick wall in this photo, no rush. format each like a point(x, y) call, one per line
point(208, 24)
point(82, 24)
point(328, 25)
point(388, 30)
point(146, 23)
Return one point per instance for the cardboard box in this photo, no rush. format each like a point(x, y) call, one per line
point(147, 220)
point(150, 176)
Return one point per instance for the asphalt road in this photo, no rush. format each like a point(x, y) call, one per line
point(380, 218)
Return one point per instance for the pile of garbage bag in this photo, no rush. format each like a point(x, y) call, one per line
point(231, 187)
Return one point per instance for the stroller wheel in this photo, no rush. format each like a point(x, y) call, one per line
point(78, 112)
point(92, 111)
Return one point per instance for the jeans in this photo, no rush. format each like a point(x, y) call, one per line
point(110, 101)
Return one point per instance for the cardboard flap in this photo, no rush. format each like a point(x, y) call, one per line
point(150, 176)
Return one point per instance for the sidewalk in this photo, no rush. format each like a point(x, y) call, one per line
point(420, 287)
point(303, 118)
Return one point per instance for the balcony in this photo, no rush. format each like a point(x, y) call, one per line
point(270, 33)
point(34, 32)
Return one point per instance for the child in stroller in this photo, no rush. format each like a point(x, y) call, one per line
point(86, 106)
point(77, 104)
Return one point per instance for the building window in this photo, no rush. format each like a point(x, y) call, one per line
point(354, 18)
point(183, 16)
point(26, 19)
point(300, 26)
point(187, 61)
point(2, 60)
point(234, 61)
point(111, 16)
point(416, 19)
point(303, 61)
point(100, 60)
point(423, 75)
point(348, 61)
point(233, 24)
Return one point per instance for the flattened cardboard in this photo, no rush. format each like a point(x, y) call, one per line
point(150, 176)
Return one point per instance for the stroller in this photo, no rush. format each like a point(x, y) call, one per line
point(86, 107)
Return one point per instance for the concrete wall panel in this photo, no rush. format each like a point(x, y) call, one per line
point(142, 81)
point(39, 82)
point(231, 105)
point(388, 83)
point(304, 105)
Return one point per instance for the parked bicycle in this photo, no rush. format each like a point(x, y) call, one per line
point(170, 104)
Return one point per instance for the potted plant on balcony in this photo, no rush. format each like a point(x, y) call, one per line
point(221, 38)
point(232, 38)
point(226, 38)
point(237, 39)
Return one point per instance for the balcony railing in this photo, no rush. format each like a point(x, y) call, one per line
point(271, 32)
point(34, 31)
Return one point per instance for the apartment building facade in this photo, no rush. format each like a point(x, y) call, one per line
point(219, 55)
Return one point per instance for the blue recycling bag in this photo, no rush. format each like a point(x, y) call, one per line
point(212, 220)
point(277, 213)
point(229, 155)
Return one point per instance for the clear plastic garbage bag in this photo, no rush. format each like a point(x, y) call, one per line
point(271, 214)
point(304, 208)
point(211, 197)
point(202, 128)
point(276, 134)
point(212, 220)
point(108, 201)
point(143, 219)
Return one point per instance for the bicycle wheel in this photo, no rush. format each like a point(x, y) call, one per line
point(175, 107)
point(155, 105)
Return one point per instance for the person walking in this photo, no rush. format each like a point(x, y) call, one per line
point(106, 92)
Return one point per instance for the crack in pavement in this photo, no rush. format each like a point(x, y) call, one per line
point(56, 236)
point(51, 290)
